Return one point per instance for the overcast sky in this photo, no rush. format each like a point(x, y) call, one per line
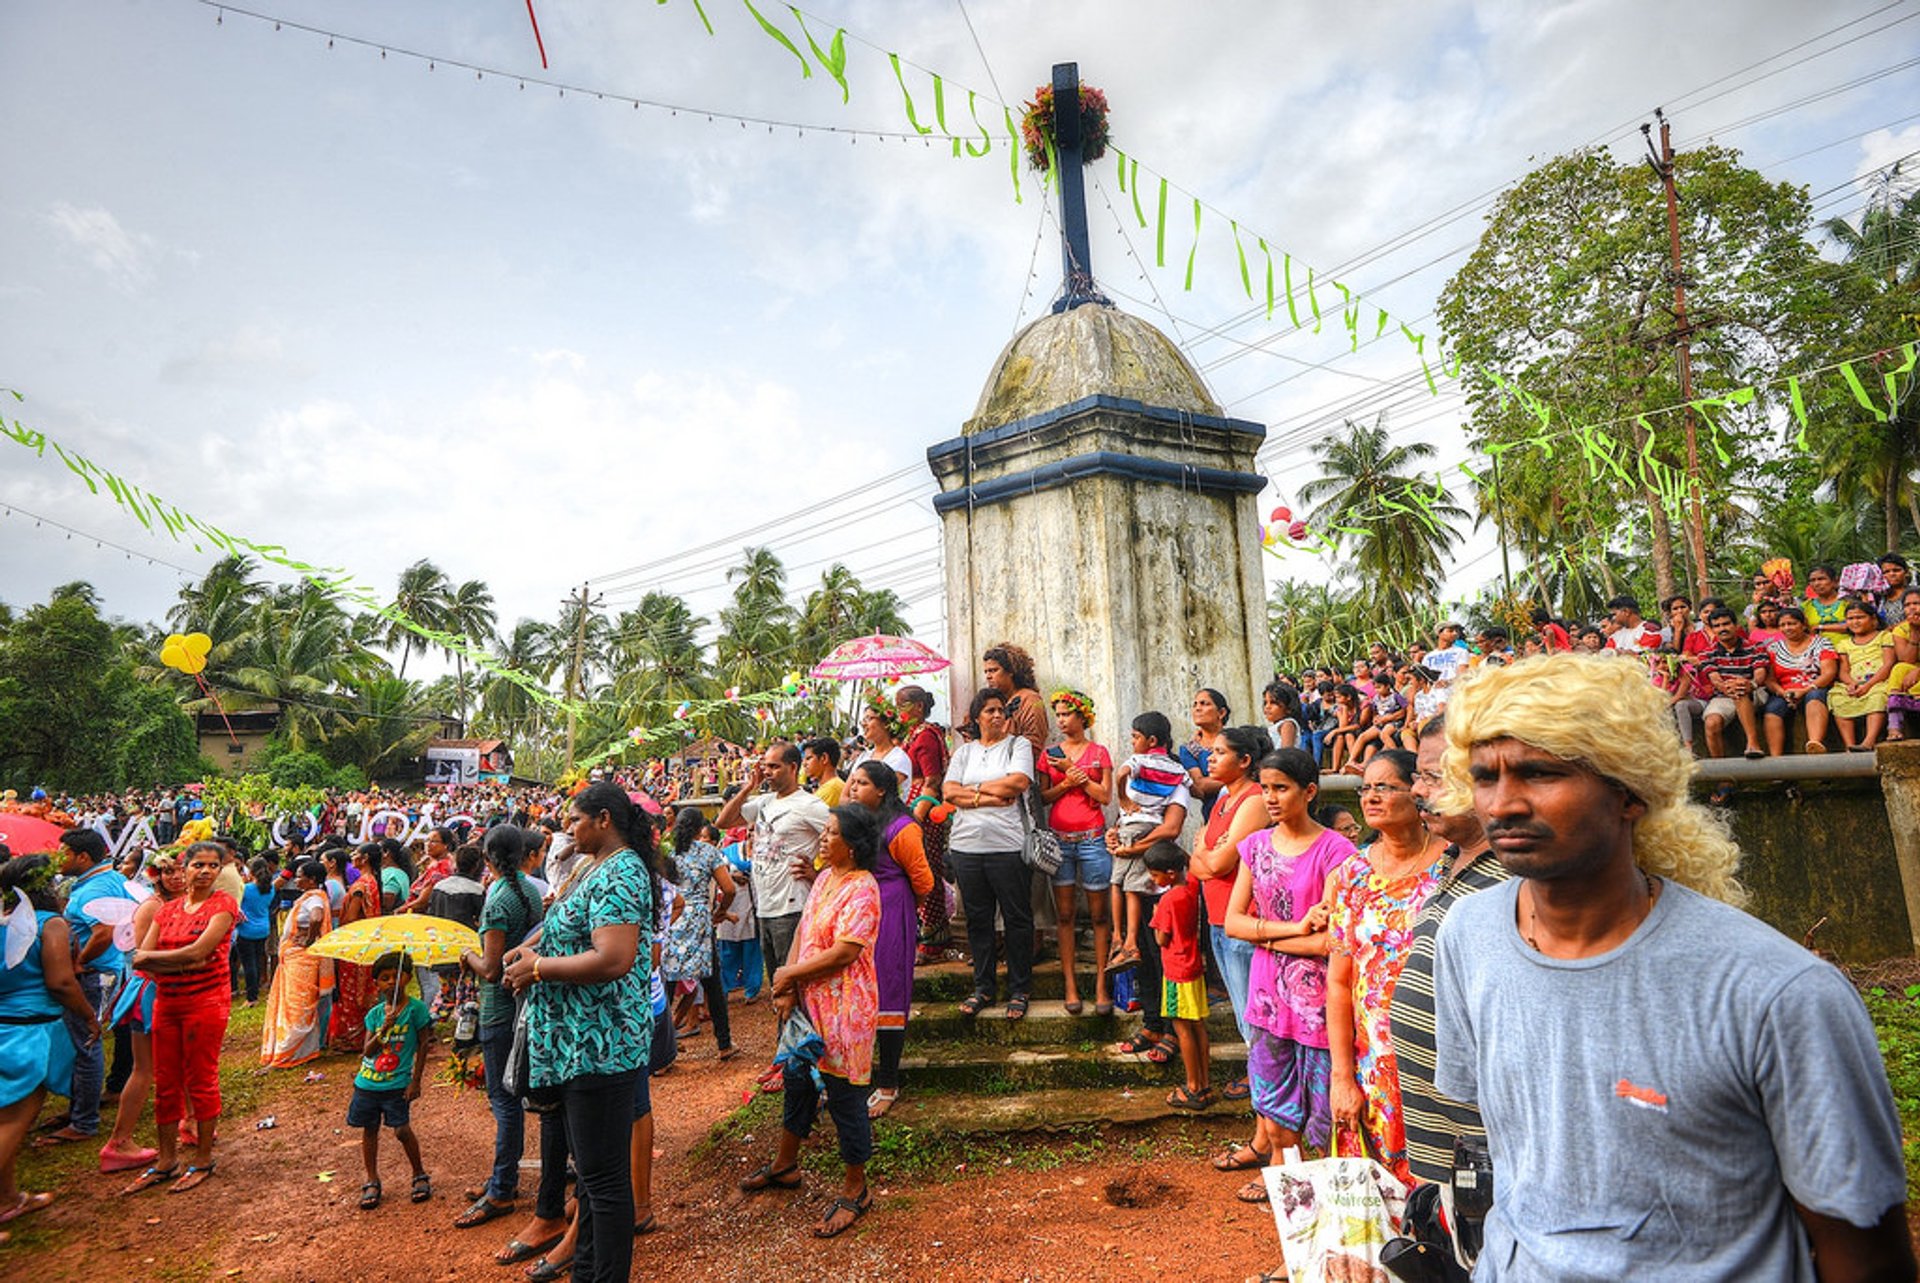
point(376, 312)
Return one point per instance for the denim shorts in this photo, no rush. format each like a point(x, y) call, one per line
point(1778, 707)
point(1084, 860)
point(371, 1108)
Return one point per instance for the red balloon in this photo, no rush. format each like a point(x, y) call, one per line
point(1297, 531)
point(1281, 516)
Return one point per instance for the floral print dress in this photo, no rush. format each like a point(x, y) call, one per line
point(845, 1006)
point(689, 949)
point(1372, 923)
point(604, 1028)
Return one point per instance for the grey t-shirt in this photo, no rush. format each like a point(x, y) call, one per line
point(1652, 1110)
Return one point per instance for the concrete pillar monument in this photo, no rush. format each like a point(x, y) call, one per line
point(1101, 510)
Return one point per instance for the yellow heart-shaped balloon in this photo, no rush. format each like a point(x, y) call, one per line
point(187, 653)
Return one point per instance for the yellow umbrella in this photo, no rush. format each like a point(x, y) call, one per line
point(429, 941)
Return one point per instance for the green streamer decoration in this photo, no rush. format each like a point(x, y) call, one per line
point(1160, 232)
point(699, 9)
point(1013, 151)
point(1246, 278)
point(1349, 316)
point(940, 111)
point(986, 142)
point(834, 58)
point(806, 70)
point(1194, 253)
point(1138, 213)
point(1799, 406)
point(1892, 377)
point(1381, 327)
point(1313, 302)
point(1269, 257)
point(1859, 391)
point(1286, 271)
point(913, 117)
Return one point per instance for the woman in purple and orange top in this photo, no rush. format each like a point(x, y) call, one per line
point(1239, 811)
point(185, 951)
point(901, 869)
point(926, 746)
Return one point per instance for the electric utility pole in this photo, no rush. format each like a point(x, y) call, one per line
point(582, 602)
point(1662, 163)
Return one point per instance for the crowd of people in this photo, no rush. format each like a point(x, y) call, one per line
point(611, 929)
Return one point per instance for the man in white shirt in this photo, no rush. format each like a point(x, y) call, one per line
point(786, 826)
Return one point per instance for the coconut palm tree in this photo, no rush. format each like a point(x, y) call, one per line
point(423, 595)
point(657, 658)
point(1369, 499)
point(506, 708)
point(380, 724)
point(297, 650)
point(880, 611)
point(470, 613)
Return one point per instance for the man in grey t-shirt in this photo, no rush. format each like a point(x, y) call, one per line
point(1672, 1090)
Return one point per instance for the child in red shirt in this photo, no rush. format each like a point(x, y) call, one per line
point(1183, 991)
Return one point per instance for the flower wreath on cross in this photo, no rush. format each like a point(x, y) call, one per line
point(1036, 126)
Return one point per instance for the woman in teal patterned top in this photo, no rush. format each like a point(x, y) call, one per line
point(589, 1017)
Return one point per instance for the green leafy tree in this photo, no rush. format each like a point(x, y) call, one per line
point(470, 612)
point(1569, 296)
point(425, 596)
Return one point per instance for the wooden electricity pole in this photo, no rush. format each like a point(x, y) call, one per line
point(1662, 162)
point(583, 602)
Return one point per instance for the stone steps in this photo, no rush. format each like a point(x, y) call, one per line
point(944, 1116)
point(978, 1068)
point(1046, 1022)
point(953, 981)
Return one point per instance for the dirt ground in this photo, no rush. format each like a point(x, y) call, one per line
point(283, 1205)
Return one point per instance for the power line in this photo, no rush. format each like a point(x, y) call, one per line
point(99, 541)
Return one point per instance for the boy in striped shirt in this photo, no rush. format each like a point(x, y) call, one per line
point(1148, 783)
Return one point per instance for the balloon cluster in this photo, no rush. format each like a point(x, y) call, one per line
point(1283, 527)
point(791, 685)
point(186, 653)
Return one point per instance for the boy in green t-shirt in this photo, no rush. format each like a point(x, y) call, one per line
point(399, 1030)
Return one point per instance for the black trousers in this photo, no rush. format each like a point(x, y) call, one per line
point(888, 1044)
point(1147, 974)
point(597, 1112)
point(714, 989)
point(846, 1103)
point(990, 880)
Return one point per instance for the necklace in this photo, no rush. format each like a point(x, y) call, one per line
point(1533, 914)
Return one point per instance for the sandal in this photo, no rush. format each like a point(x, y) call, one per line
point(1162, 1052)
point(1232, 1162)
point(28, 1203)
point(764, 1177)
point(151, 1177)
point(1122, 960)
point(1141, 1043)
point(976, 1004)
point(1254, 1191)
point(858, 1206)
point(483, 1210)
point(881, 1101)
point(515, 1251)
point(545, 1271)
point(647, 1226)
point(1181, 1098)
point(1017, 1007)
point(728, 1053)
point(1236, 1090)
point(369, 1196)
point(191, 1179)
point(422, 1188)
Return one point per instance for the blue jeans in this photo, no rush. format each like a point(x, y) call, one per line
point(90, 1060)
point(1084, 861)
point(509, 1115)
point(1236, 968)
point(740, 965)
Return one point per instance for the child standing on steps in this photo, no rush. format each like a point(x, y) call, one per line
point(1183, 991)
point(391, 1067)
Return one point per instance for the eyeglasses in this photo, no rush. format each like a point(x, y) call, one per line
point(1382, 790)
point(1432, 779)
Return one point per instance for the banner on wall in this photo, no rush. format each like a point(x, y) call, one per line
point(453, 766)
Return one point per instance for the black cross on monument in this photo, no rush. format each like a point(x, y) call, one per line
point(1076, 263)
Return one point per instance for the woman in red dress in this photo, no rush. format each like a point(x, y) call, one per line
point(184, 950)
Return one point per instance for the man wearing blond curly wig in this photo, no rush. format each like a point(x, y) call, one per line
point(1672, 1090)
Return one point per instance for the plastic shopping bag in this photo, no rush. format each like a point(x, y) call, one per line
point(1334, 1215)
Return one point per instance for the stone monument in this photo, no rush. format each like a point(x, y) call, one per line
point(1100, 510)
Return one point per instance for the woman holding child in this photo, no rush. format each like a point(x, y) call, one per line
point(1278, 905)
point(1375, 899)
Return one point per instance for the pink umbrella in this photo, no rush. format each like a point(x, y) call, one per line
point(865, 658)
point(645, 801)
point(23, 834)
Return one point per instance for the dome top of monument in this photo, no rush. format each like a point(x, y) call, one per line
point(1092, 350)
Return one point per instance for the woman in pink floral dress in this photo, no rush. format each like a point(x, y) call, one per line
point(1377, 896)
point(830, 975)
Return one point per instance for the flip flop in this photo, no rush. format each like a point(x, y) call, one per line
point(764, 1177)
point(647, 1226)
point(191, 1179)
point(880, 1102)
point(28, 1203)
point(151, 1177)
point(515, 1251)
point(483, 1210)
point(545, 1271)
point(64, 1136)
point(1253, 1192)
point(1237, 1090)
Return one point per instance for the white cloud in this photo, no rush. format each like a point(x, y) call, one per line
point(125, 257)
point(1883, 148)
point(252, 354)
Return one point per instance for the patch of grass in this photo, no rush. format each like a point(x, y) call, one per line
point(1896, 1019)
point(755, 1116)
